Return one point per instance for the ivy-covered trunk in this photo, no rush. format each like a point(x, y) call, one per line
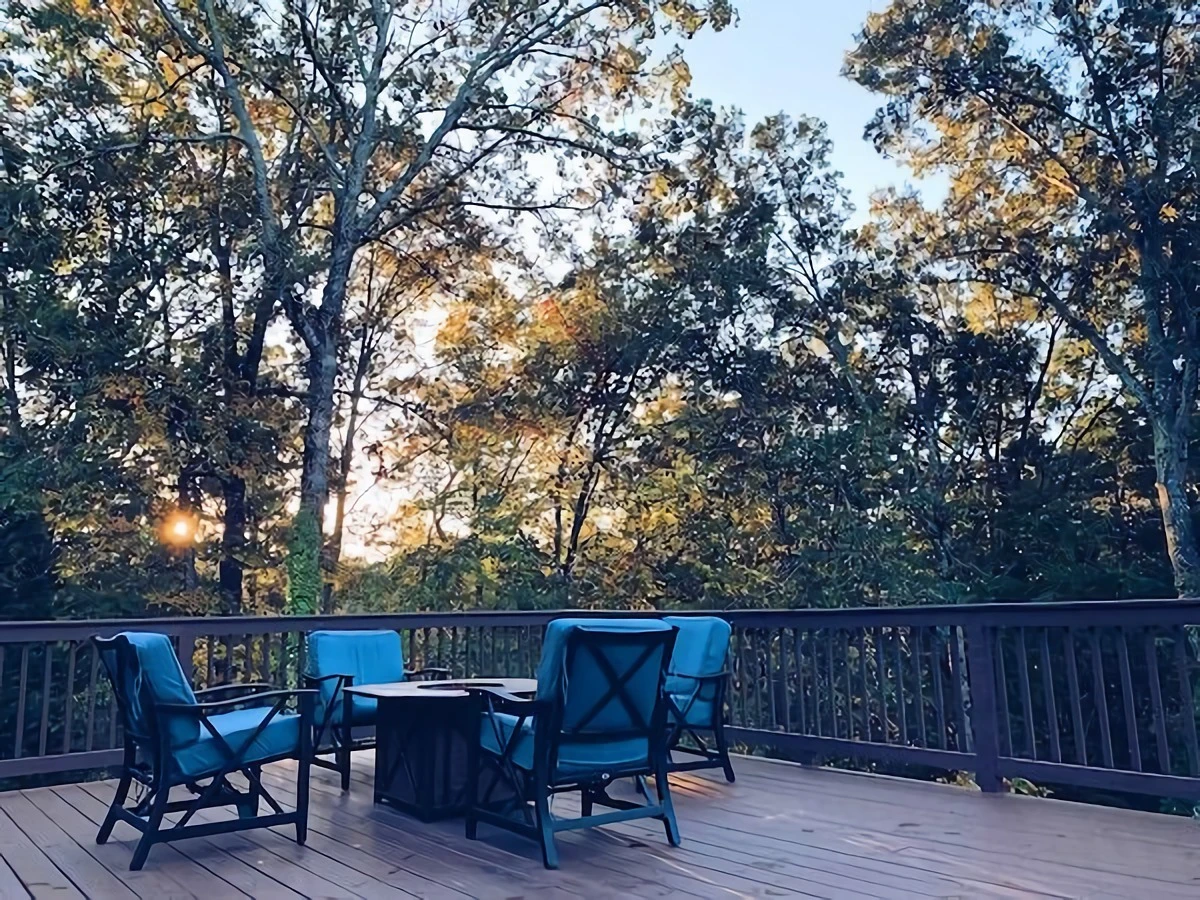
point(1170, 465)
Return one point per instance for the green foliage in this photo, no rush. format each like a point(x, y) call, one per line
point(683, 382)
point(304, 566)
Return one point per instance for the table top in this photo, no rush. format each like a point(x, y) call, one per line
point(444, 690)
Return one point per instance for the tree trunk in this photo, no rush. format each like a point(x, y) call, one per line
point(1170, 465)
point(305, 594)
point(233, 543)
point(333, 549)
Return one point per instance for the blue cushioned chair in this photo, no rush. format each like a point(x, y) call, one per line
point(174, 737)
point(341, 659)
point(696, 685)
point(600, 714)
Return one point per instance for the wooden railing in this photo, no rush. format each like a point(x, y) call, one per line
point(1095, 694)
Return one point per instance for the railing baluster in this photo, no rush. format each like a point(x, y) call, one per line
point(91, 705)
point(781, 713)
point(801, 706)
point(863, 654)
point(919, 669)
point(1004, 732)
point(1131, 723)
point(901, 702)
point(958, 674)
point(831, 684)
point(47, 692)
point(22, 687)
point(1101, 698)
point(301, 658)
point(280, 679)
point(69, 711)
point(211, 663)
point(881, 682)
point(743, 679)
point(937, 656)
point(770, 675)
point(1051, 707)
point(1160, 718)
point(1026, 695)
point(1188, 695)
point(1076, 698)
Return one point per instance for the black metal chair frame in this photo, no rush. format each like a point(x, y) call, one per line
point(156, 775)
point(338, 739)
point(528, 793)
point(684, 738)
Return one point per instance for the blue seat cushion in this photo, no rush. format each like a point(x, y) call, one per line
point(159, 669)
point(701, 649)
point(206, 756)
point(574, 759)
point(699, 714)
point(370, 657)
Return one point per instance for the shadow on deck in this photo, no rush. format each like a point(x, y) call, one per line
point(781, 831)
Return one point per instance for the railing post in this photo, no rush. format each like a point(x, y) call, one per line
point(981, 669)
point(185, 649)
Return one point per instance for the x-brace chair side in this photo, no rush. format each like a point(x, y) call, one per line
point(681, 731)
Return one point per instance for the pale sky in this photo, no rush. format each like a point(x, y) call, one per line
point(786, 56)
point(782, 56)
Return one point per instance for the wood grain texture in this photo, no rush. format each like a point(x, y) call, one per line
point(780, 831)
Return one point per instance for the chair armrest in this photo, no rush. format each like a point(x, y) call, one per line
point(249, 687)
point(423, 674)
point(317, 679)
point(200, 710)
point(724, 673)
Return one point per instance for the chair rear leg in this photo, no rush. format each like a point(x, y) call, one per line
point(118, 801)
point(303, 765)
point(343, 755)
point(153, 823)
point(662, 784)
point(473, 761)
point(247, 806)
point(545, 828)
point(723, 750)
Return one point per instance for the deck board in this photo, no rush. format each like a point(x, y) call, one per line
point(781, 831)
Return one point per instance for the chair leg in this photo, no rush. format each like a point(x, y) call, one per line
point(723, 750)
point(545, 828)
point(585, 803)
point(663, 785)
point(118, 801)
point(247, 807)
point(153, 822)
point(303, 766)
point(343, 755)
point(471, 821)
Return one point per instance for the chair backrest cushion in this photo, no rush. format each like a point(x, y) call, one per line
point(372, 657)
point(580, 675)
point(701, 648)
point(152, 672)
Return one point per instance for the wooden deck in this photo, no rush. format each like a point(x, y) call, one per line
point(781, 831)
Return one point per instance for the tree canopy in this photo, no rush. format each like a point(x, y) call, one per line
point(391, 304)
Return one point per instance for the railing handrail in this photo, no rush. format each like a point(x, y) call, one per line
point(1094, 693)
point(1072, 612)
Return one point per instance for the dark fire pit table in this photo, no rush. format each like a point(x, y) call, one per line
point(421, 735)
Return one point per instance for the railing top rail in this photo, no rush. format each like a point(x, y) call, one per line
point(1081, 613)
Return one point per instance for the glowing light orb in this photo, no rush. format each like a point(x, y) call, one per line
point(179, 528)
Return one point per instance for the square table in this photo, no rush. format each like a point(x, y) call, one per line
point(421, 734)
